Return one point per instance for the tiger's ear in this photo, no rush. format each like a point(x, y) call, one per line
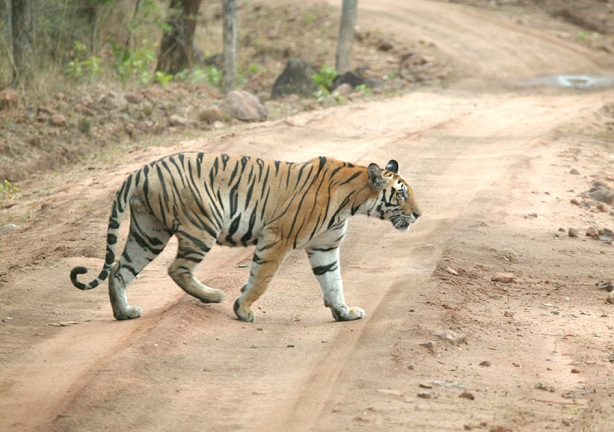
point(393, 166)
point(376, 180)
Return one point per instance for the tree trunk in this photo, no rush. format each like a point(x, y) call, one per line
point(22, 26)
point(343, 60)
point(176, 46)
point(230, 45)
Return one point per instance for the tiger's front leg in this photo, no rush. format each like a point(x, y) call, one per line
point(325, 265)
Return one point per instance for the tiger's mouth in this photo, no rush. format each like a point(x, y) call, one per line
point(402, 223)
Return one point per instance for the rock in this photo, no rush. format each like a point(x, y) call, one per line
point(349, 77)
point(391, 392)
point(606, 235)
point(451, 271)
point(592, 233)
point(572, 232)
point(244, 106)
point(7, 227)
point(344, 90)
point(295, 79)
point(134, 98)
point(574, 171)
point(176, 120)
point(452, 337)
point(466, 395)
point(8, 98)
point(57, 120)
point(610, 298)
point(212, 114)
point(485, 363)
point(601, 194)
point(503, 277)
point(385, 46)
point(429, 345)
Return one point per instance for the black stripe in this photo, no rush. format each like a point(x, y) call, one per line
point(320, 270)
point(350, 178)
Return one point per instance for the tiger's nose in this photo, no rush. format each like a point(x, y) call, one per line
point(417, 214)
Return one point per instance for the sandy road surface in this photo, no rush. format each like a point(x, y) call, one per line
point(480, 158)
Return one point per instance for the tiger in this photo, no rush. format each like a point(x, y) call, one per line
point(206, 199)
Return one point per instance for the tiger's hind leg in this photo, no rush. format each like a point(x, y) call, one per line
point(147, 238)
point(192, 250)
point(269, 255)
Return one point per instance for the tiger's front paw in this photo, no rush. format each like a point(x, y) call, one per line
point(244, 314)
point(347, 313)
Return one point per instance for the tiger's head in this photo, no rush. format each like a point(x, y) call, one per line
point(396, 201)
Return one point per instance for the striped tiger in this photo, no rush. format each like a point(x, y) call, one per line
point(203, 199)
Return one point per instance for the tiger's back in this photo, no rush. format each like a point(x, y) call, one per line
point(239, 201)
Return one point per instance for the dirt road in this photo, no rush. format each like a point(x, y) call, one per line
point(443, 347)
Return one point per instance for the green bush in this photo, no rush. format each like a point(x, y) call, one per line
point(8, 189)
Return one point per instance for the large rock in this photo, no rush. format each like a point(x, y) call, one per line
point(295, 79)
point(244, 106)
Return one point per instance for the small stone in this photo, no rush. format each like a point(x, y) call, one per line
point(8, 98)
point(176, 120)
point(452, 271)
point(572, 232)
point(508, 314)
point(601, 194)
point(592, 233)
point(424, 395)
point(7, 227)
point(212, 114)
point(605, 232)
point(391, 392)
point(344, 90)
point(57, 120)
point(466, 395)
point(503, 277)
point(485, 363)
point(575, 371)
point(134, 98)
point(574, 171)
point(430, 345)
point(575, 201)
point(452, 337)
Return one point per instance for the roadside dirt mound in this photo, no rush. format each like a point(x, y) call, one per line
point(487, 316)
